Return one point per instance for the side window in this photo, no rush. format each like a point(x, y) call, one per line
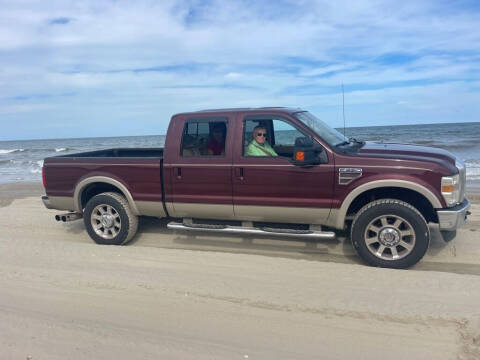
point(285, 134)
point(269, 137)
point(204, 137)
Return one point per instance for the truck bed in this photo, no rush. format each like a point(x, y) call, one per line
point(138, 170)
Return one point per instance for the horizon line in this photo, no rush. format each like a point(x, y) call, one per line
point(339, 128)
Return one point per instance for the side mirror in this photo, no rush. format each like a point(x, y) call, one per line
point(306, 152)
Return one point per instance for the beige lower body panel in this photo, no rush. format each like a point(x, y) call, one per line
point(202, 211)
point(332, 220)
point(279, 214)
point(151, 208)
point(294, 215)
point(62, 203)
point(146, 208)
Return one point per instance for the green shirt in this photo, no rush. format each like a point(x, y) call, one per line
point(255, 149)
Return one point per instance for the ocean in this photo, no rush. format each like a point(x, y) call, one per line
point(22, 160)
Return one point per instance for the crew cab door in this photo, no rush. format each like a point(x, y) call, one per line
point(273, 188)
point(200, 181)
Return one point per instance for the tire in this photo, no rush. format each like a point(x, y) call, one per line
point(390, 233)
point(109, 219)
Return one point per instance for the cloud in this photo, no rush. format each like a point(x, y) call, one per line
point(59, 21)
point(233, 75)
point(141, 61)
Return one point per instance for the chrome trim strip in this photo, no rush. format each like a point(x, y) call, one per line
point(337, 218)
point(199, 164)
point(388, 167)
point(102, 179)
point(269, 165)
point(53, 164)
point(230, 165)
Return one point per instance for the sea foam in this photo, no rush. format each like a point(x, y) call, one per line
point(9, 151)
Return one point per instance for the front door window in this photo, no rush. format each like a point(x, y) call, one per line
point(269, 138)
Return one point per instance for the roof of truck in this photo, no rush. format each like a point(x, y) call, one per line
point(229, 110)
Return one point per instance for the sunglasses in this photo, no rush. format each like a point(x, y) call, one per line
point(261, 134)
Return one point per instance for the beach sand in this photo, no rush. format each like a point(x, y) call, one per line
point(172, 296)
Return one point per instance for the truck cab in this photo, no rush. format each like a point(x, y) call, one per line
point(234, 185)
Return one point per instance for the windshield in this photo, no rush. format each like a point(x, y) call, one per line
point(330, 135)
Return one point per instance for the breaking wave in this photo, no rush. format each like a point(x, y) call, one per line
point(9, 151)
point(46, 150)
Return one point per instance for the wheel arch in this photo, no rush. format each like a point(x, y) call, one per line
point(89, 187)
point(410, 192)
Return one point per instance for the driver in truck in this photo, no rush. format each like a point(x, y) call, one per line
point(259, 145)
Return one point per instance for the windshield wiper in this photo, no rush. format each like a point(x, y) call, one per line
point(343, 143)
point(352, 139)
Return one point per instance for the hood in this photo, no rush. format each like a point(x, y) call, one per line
point(406, 152)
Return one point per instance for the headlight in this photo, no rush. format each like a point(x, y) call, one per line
point(451, 189)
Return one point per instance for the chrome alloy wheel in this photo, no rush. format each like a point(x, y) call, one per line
point(389, 237)
point(106, 221)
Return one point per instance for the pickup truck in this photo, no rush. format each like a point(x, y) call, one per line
point(275, 172)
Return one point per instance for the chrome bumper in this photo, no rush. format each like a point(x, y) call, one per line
point(452, 218)
point(46, 202)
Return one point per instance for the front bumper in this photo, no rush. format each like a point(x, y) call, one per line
point(452, 218)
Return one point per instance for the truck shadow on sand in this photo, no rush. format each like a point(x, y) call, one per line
point(153, 232)
point(336, 250)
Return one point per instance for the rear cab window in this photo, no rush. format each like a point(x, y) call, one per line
point(204, 137)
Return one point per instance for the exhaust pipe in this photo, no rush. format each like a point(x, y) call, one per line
point(68, 217)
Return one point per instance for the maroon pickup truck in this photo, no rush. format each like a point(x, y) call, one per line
point(275, 172)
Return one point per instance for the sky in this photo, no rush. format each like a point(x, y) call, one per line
point(72, 69)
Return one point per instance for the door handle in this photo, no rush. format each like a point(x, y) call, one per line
point(179, 172)
point(239, 173)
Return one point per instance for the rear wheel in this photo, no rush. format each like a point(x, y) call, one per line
point(109, 219)
point(390, 233)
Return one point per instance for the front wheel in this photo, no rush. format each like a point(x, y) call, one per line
point(109, 219)
point(390, 233)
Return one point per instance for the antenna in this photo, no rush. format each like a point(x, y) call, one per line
point(343, 107)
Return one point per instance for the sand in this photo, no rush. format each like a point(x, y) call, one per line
point(171, 296)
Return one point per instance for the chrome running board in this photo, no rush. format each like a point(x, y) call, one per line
point(243, 230)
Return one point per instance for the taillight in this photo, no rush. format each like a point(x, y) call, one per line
point(44, 178)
